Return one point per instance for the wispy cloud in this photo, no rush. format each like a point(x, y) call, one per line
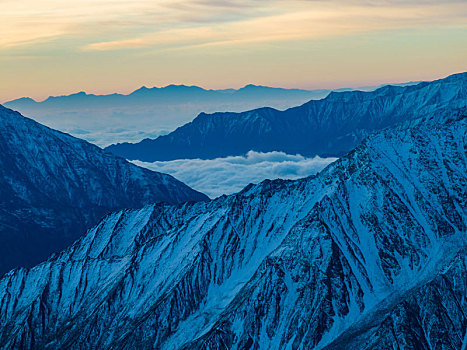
point(299, 22)
point(117, 24)
point(229, 175)
point(29, 21)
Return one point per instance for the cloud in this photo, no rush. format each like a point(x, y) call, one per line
point(104, 124)
point(299, 20)
point(229, 175)
point(118, 24)
point(30, 21)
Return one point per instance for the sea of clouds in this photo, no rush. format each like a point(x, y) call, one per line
point(219, 176)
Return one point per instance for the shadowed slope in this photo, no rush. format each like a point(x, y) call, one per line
point(54, 186)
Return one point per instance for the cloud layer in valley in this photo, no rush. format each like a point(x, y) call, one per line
point(229, 175)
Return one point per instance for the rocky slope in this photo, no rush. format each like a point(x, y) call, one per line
point(369, 253)
point(328, 127)
point(54, 186)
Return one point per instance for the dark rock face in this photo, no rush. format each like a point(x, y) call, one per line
point(428, 316)
point(328, 127)
point(54, 186)
point(368, 254)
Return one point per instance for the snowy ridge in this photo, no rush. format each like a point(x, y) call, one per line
point(54, 186)
point(330, 127)
point(282, 264)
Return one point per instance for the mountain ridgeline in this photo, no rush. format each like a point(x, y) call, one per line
point(53, 187)
point(369, 253)
point(149, 112)
point(328, 127)
point(166, 95)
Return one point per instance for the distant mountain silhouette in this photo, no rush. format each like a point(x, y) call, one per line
point(328, 127)
point(178, 92)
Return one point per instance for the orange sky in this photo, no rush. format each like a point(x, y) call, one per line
point(55, 47)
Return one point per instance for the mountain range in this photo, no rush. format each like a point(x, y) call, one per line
point(169, 93)
point(149, 112)
point(367, 254)
point(329, 127)
point(54, 186)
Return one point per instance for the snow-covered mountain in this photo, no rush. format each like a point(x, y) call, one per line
point(54, 186)
point(328, 128)
point(368, 254)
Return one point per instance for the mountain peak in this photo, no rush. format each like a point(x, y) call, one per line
point(76, 95)
point(24, 100)
point(144, 88)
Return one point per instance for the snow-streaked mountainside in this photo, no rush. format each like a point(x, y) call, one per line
point(53, 187)
point(369, 253)
point(328, 128)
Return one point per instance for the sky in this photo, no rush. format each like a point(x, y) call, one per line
point(56, 47)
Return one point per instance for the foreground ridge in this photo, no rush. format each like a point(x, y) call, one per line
point(368, 254)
